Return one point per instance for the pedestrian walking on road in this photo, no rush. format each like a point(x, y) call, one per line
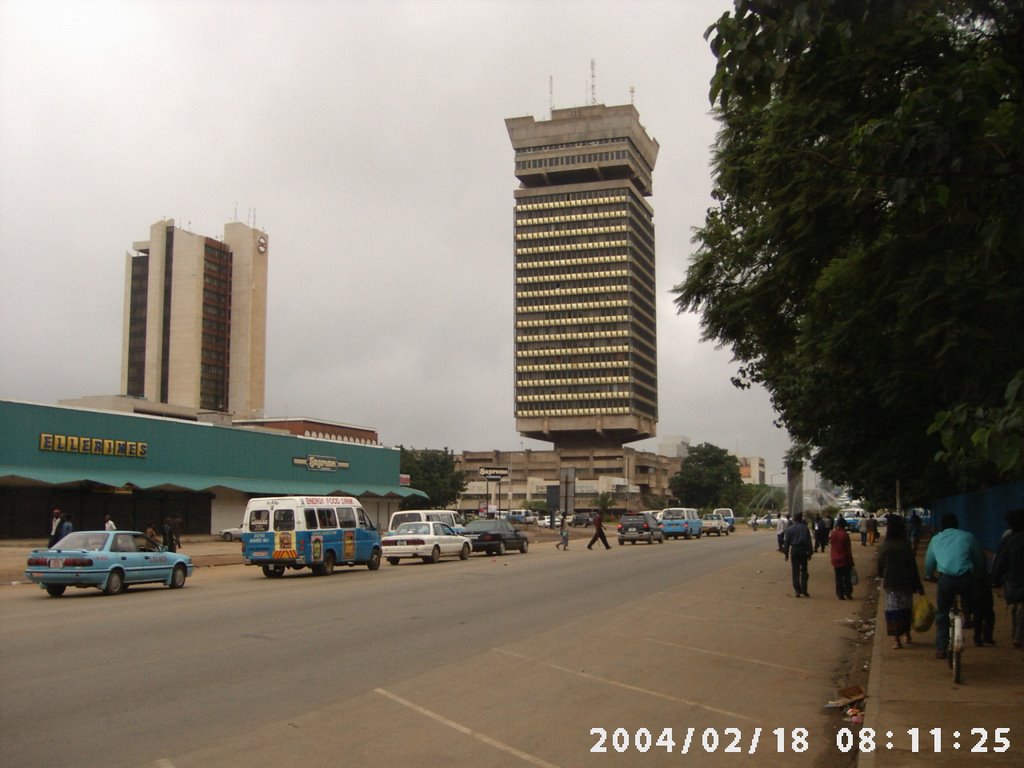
point(984, 611)
point(563, 533)
point(169, 540)
point(841, 554)
point(897, 567)
point(54, 528)
point(954, 558)
point(65, 527)
point(1008, 573)
point(820, 533)
point(780, 529)
point(108, 524)
point(872, 525)
point(914, 529)
point(796, 546)
point(598, 532)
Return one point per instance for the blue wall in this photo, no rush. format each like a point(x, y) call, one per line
point(983, 513)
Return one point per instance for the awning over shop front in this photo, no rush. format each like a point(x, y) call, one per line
point(128, 479)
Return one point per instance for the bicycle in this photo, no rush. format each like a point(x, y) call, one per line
point(956, 638)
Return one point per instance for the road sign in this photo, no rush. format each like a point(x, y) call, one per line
point(494, 473)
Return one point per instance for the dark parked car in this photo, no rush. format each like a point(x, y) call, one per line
point(495, 537)
point(640, 526)
point(581, 519)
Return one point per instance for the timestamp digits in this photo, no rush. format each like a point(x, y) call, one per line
point(684, 741)
point(934, 740)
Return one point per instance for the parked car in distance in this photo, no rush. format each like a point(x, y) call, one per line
point(427, 541)
point(712, 522)
point(231, 534)
point(451, 518)
point(640, 526)
point(496, 537)
point(580, 519)
point(107, 560)
point(681, 521)
point(727, 513)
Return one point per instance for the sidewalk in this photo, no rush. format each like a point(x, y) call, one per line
point(911, 689)
point(906, 689)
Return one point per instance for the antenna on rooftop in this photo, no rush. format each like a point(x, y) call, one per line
point(551, 95)
point(593, 83)
point(632, 93)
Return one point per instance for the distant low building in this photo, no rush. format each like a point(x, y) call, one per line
point(635, 480)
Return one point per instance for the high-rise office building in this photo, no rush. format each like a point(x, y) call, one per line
point(195, 319)
point(585, 318)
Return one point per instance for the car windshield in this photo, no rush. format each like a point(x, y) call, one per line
point(82, 540)
point(671, 515)
point(417, 528)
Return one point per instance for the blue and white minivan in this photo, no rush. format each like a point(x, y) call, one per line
point(317, 532)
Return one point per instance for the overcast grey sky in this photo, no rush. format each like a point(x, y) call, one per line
point(368, 140)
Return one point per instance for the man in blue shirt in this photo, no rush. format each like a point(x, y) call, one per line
point(955, 557)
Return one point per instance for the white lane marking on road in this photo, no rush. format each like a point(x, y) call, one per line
point(628, 687)
point(730, 656)
point(532, 759)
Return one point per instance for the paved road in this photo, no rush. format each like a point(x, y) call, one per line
point(495, 661)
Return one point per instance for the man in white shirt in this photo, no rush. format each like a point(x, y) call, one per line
point(780, 529)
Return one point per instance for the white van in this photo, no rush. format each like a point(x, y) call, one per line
point(317, 532)
point(453, 520)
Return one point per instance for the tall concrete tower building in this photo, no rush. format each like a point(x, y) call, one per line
point(195, 319)
point(585, 320)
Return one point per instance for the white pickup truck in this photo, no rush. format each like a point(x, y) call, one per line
point(715, 523)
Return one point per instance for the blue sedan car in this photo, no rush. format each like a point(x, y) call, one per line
point(107, 560)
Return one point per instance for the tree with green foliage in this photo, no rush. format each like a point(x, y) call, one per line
point(709, 477)
point(863, 256)
point(433, 472)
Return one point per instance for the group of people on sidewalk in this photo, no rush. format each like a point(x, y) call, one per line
point(954, 560)
point(957, 564)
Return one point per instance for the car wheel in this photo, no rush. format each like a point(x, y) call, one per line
point(650, 538)
point(374, 562)
point(178, 577)
point(435, 555)
point(621, 542)
point(525, 547)
point(464, 552)
point(501, 548)
point(226, 536)
point(273, 571)
point(328, 567)
point(115, 583)
point(394, 560)
point(55, 590)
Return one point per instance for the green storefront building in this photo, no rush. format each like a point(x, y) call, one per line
point(142, 469)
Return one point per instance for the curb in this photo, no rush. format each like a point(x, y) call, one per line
point(873, 706)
